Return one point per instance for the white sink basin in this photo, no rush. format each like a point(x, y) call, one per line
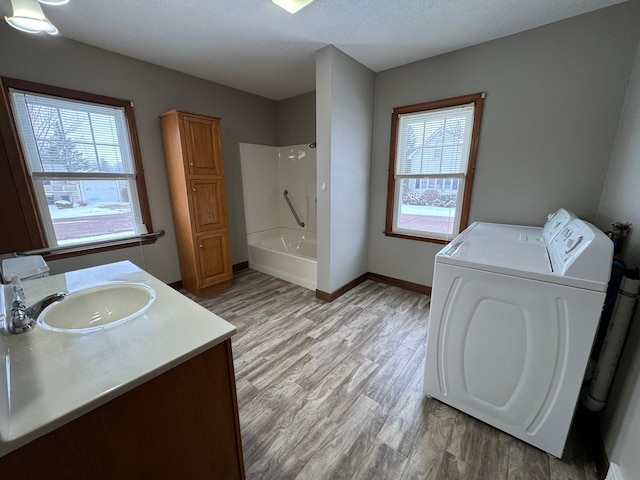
point(97, 307)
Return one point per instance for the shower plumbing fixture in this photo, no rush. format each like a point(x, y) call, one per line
point(297, 156)
point(295, 215)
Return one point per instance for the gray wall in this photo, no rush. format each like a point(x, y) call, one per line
point(554, 96)
point(297, 119)
point(620, 421)
point(154, 90)
point(344, 115)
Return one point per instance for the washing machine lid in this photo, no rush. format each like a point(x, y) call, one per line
point(579, 255)
point(518, 233)
point(556, 221)
point(497, 255)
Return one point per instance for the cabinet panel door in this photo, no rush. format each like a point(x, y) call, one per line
point(208, 204)
point(214, 259)
point(202, 143)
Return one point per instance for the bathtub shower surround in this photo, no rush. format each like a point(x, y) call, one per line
point(278, 244)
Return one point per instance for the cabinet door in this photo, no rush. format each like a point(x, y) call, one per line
point(208, 204)
point(202, 141)
point(214, 259)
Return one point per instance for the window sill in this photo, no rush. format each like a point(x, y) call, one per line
point(419, 238)
point(57, 253)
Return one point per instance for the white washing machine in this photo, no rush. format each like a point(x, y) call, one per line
point(512, 323)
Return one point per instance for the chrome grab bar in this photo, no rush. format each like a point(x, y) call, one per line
point(295, 215)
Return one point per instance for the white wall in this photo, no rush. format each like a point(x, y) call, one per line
point(620, 421)
point(344, 113)
point(554, 96)
point(259, 165)
point(266, 172)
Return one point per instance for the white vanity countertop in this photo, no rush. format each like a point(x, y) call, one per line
point(49, 378)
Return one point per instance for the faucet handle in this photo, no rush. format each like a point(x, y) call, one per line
point(20, 321)
point(17, 307)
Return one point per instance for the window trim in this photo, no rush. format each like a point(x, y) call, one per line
point(478, 100)
point(18, 164)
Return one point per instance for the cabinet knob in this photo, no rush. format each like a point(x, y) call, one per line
point(194, 189)
point(200, 245)
point(191, 164)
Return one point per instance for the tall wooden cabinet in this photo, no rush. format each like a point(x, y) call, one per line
point(193, 152)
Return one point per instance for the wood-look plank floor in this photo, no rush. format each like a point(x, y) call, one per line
point(334, 391)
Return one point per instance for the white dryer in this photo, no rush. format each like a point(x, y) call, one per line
point(511, 326)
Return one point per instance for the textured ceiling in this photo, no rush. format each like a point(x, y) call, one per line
point(255, 46)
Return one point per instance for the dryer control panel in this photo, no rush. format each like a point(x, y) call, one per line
point(581, 250)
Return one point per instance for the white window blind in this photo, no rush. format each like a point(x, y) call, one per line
point(434, 142)
point(59, 135)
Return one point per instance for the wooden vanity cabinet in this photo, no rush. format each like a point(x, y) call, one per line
point(181, 424)
point(195, 170)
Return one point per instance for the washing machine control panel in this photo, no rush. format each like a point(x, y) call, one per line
point(578, 250)
point(556, 221)
point(571, 242)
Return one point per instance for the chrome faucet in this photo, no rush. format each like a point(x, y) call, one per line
point(23, 319)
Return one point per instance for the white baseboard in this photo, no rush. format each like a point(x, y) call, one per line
point(614, 472)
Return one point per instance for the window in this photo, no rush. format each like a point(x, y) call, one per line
point(82, 162)
point(435, 143)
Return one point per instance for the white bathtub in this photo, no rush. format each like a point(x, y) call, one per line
point(285, 253)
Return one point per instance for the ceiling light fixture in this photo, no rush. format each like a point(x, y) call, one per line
point(292, 6)
point(29, 17)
